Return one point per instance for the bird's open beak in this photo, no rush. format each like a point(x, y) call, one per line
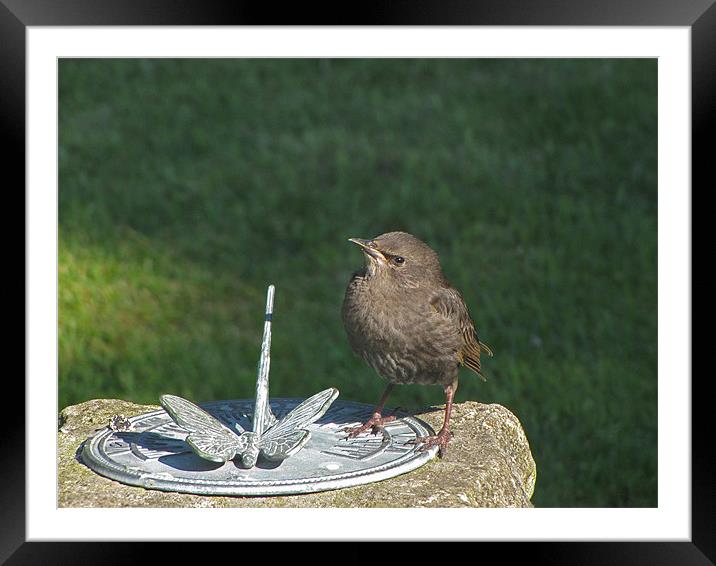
point(369, 248)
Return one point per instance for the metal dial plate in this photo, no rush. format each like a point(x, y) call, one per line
point(153, 454)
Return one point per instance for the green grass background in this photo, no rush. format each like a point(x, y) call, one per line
point(187, 186)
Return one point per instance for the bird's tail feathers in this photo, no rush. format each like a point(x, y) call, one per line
point(474, 365)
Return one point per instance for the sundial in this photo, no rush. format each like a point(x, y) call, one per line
point(257, 446)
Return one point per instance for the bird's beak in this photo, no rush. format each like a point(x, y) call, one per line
point(369, 248)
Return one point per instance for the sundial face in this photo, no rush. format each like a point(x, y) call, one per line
point(153, 453)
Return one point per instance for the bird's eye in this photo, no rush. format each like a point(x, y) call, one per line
point(397, 260)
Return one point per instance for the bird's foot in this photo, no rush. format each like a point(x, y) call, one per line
point(375, 423)
point(440, 439)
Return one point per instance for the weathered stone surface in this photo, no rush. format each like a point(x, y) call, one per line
point(488, 464)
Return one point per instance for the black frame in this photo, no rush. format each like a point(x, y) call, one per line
point(700, 15)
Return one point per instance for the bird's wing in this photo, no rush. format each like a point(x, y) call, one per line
point(448, 303)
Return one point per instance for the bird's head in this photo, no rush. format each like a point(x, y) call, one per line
point(400, 257)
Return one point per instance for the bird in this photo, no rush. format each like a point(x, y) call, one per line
point(403, 317)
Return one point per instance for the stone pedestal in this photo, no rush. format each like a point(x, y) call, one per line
point(488, 464)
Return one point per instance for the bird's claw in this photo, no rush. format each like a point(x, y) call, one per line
point(375, 424)
point(440, 439)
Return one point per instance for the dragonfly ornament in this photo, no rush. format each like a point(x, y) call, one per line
point(274, 439)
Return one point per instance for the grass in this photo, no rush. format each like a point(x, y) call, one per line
point(187, 186)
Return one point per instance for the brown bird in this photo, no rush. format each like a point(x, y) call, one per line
point(408, 323)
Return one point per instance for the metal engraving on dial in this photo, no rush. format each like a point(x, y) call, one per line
point(154, 453)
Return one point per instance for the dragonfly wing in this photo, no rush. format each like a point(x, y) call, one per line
point(269, 418)
point(208, 436)
point(215, 447)
point(282, 447)
point(307, 412)
point(190, 416)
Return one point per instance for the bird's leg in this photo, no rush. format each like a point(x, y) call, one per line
point(443, 436)
point(376, 422)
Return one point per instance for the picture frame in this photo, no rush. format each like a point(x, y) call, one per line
point(17, 15)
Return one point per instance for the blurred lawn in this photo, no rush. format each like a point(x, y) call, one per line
point(187, 186)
